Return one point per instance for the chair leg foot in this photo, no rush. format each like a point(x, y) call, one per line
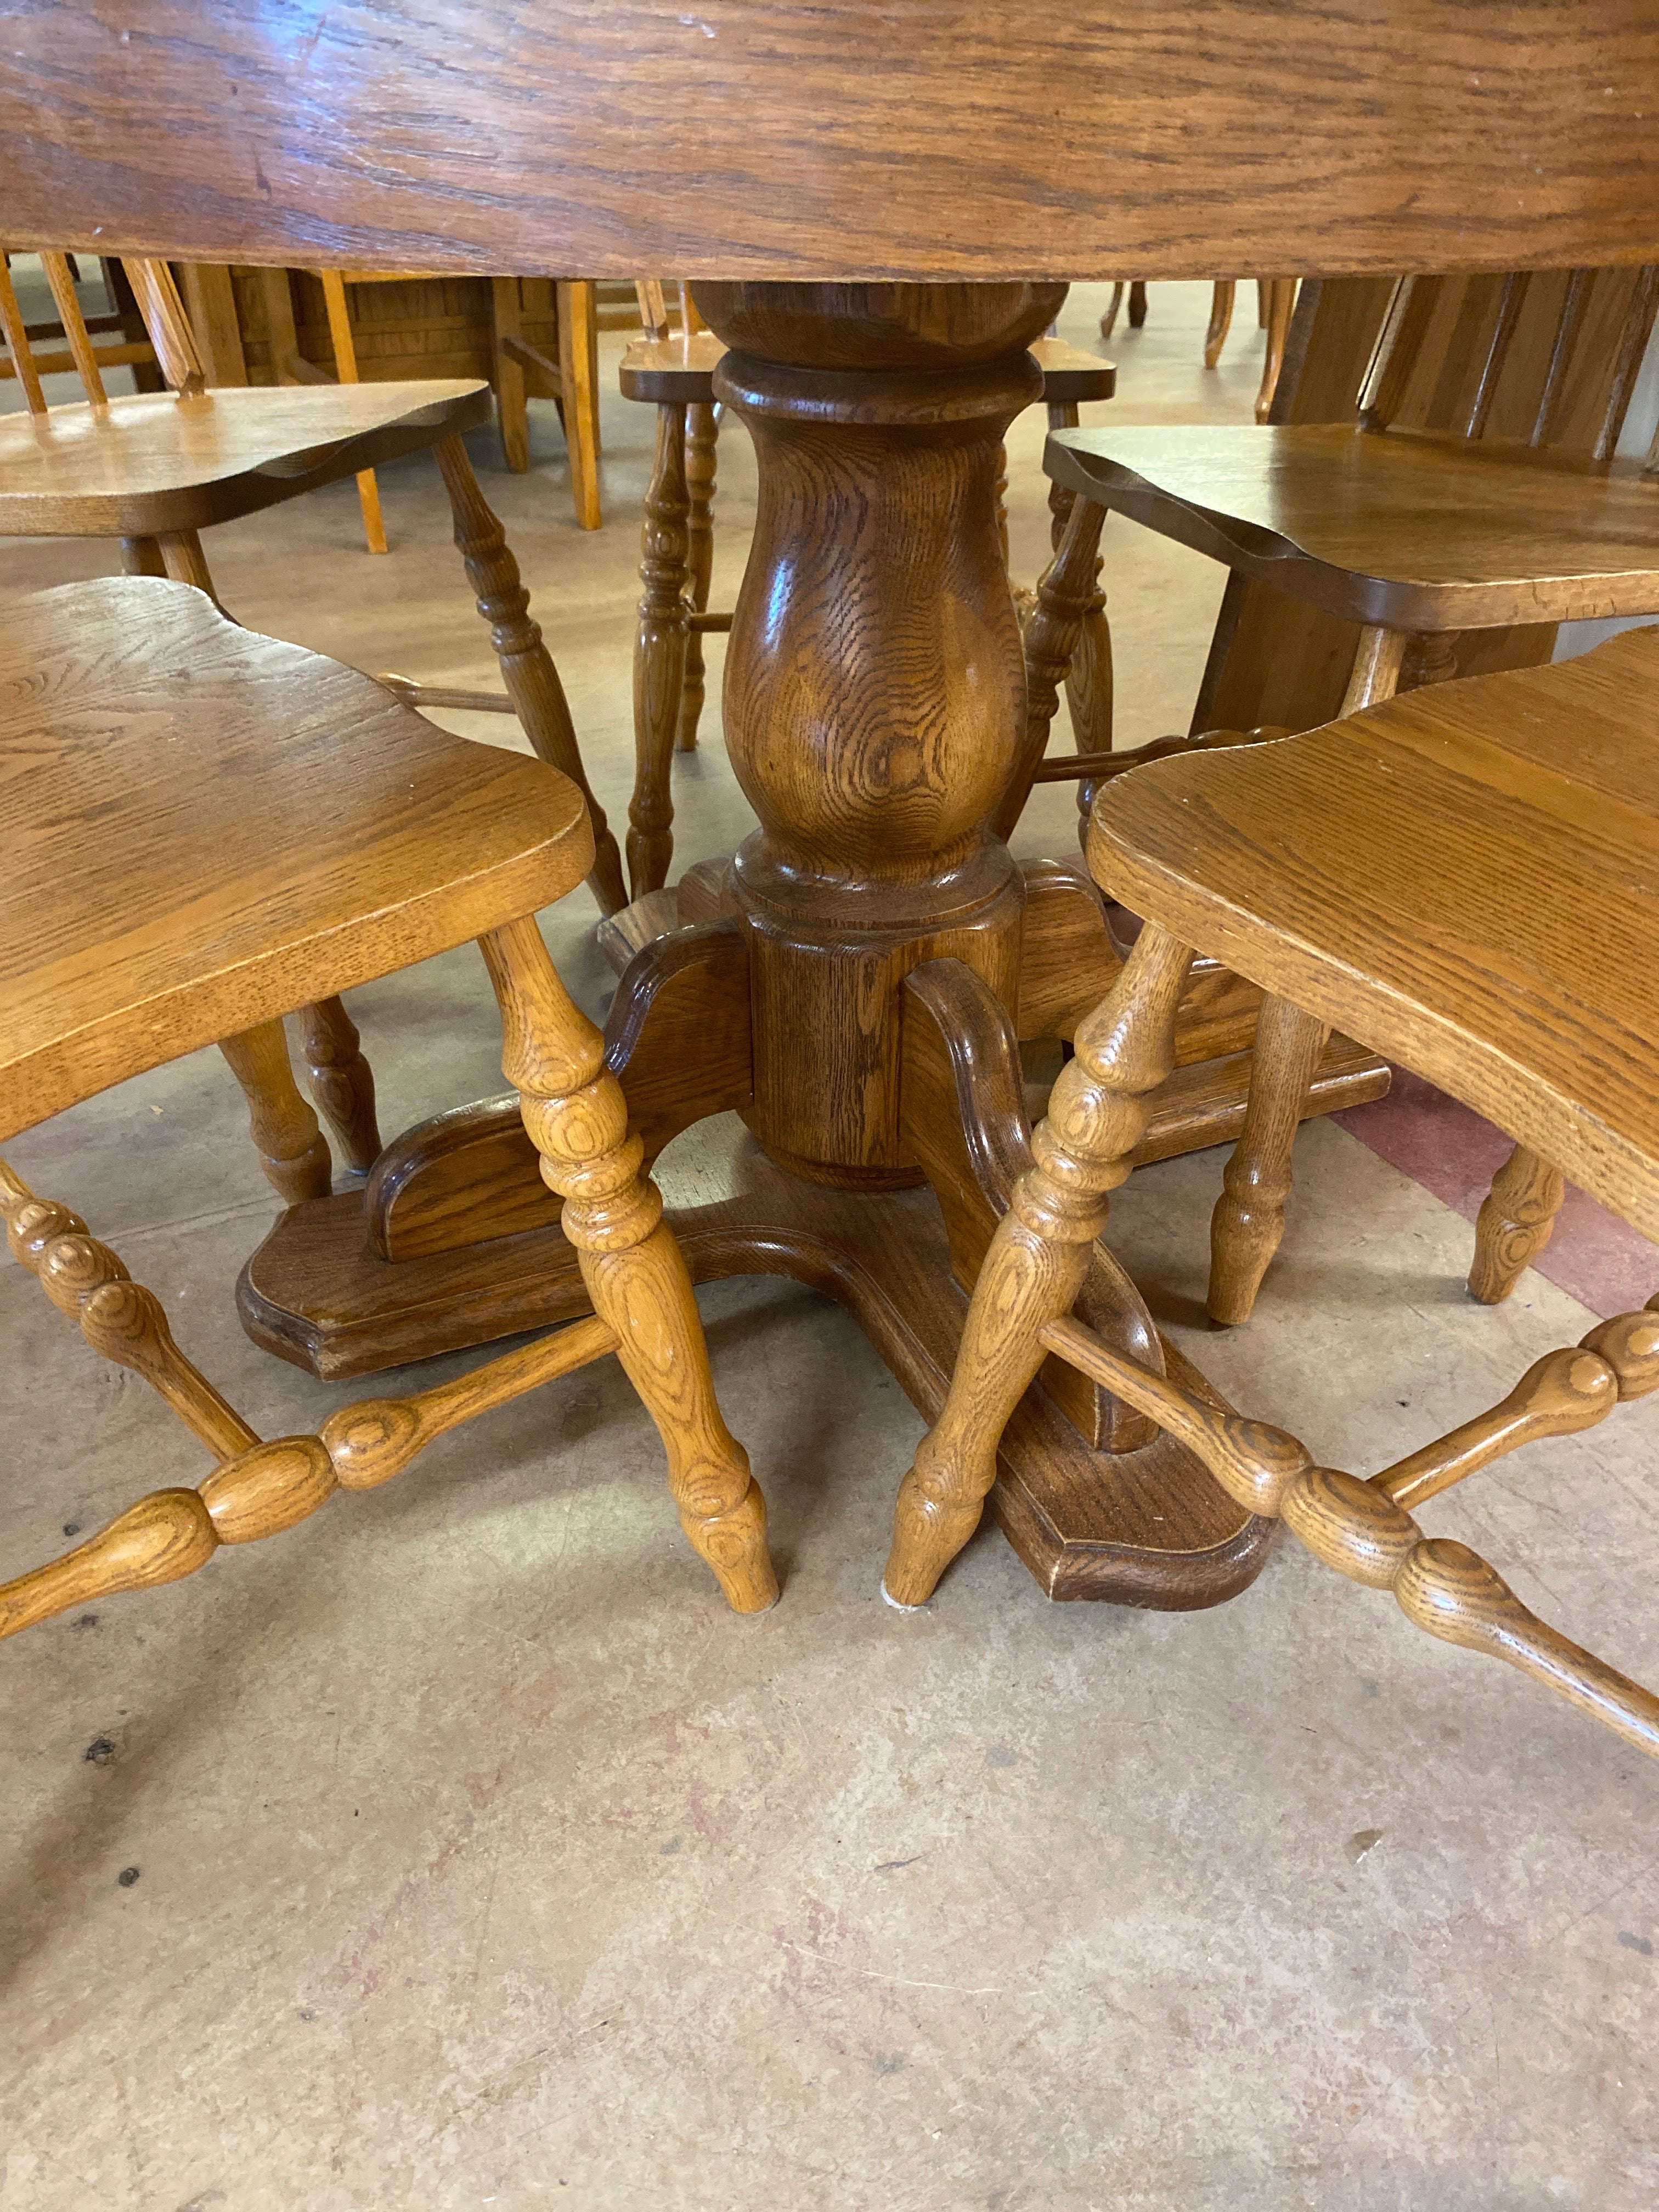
point(1248, 1225)
point(1516, 1222)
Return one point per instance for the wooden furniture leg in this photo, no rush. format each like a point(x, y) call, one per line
point(512, 409)
point(526, 666)
point(1221, 316)
point(291, 1149)
point(659, 656)
point(1137, 303)
point(142, 556)
point(183, 559)
point(1108, 320)
point(342, 1081)
point(1248, 1225)
point(1281, 301)
point(1038, 1257)
point(702, 459)
point(1249, 1219)
point(345, 368)
point(1515, 1223)
point(577, 1118)
point(1089, 678)
point(581, 405)
point(1067, 594)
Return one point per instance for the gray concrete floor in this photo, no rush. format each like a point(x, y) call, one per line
point(484, 1858)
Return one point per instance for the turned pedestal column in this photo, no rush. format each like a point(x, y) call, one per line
point(875, 695)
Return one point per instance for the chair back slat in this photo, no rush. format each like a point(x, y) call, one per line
point(1567, 330)
point(17, 343)
point(1399, 347)
point(1628, 362)
point(56, 268)
point(653, 311)
point(1548, 359)
point(167, 325)
point(1510, 300)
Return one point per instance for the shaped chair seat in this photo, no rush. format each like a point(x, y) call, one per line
point(1466, 877)
point(153, 464)
point(206, 828)
point(1406, 532)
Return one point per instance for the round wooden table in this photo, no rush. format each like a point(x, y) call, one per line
point(879, 210)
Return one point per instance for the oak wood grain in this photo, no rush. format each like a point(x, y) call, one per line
point(1408, 915)
point(770, 139)
point(208, 828)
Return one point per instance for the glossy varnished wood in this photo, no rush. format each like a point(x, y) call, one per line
point(1409, 914)
point(151, 463)
point(770, 139)
point(187, 858)
point(1397, 530)
point(1086, 1522)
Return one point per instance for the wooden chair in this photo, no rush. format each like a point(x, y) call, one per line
point(1467, 877)
point(676, 374)
point(299, 833)
point(1418, 538)
point(571, 378)
point(1275, 298)
point(154, 469)
point(81, 344)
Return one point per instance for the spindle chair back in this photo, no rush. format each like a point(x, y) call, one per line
point(83, 354)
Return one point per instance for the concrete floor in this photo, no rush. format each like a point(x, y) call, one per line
point(484, 1858)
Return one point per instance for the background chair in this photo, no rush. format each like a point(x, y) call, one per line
point(1377, 873)
point(1275, 298)
point(154, 470)
point(1416, 539)
point(299, 833)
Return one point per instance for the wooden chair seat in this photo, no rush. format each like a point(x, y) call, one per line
point(204, 830)
point(1407, 533)
point(153, 464)
point(1072, 377)
point(673, 370)
point(1466, 878)
point(186, 860)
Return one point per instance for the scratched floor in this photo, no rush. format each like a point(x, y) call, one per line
point(482, 1858)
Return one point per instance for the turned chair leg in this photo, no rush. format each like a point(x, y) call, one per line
point(1221, 316)
point(577, 1119)
point(1137, 303)
point(1516, 1222)
point(659, 656)
point(291, 1149)
point(1037, 1262)
point(1067, 594)
point(342, 1082)
point(1248, 1225)
point(702, 459)
point(1281, 300)
point(532, 682)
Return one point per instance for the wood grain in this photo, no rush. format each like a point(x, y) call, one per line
point(150, 463)
point(1400, 531)
point(764, 137)
point(208, 827)
point(1409, 917)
